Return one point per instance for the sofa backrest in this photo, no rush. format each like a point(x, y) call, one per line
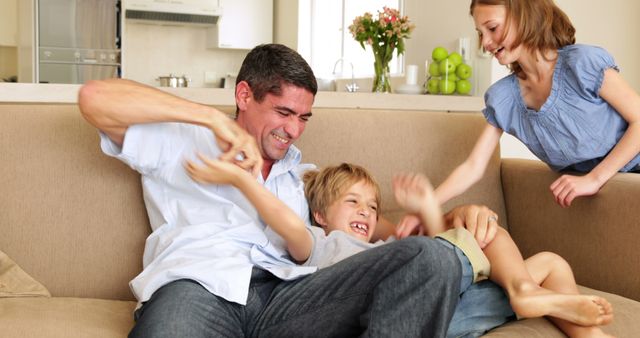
point(74, 218)
point(71, 217)
point(388, 142)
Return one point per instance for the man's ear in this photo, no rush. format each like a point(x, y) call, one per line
point(243, 95)
point(319, 219)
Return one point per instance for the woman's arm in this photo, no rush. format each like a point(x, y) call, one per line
point(472, 169)
point(617, 92)
point(271, 209)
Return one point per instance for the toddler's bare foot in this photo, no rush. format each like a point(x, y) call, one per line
point(577, 331)
point(583, 310)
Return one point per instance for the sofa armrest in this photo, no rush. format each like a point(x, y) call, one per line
point(597, 235)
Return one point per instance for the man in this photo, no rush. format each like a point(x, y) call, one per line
point(211, 267)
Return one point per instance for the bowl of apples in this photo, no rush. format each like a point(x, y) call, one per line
point(448, 73)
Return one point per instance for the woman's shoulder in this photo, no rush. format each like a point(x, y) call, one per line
point(581, 56)
point(502, 91)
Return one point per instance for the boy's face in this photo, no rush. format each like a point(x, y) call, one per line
point(355, 212)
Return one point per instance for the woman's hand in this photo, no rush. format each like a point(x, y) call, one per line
point(566, 188)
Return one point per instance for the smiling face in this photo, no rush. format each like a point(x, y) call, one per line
point(276, 122)
point(496, 33)
point(354, 212)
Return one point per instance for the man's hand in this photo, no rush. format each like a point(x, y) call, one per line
point(238, 145)
point(216, 171)
point(567, 187)
point(481, 222)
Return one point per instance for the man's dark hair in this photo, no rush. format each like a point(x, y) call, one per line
point(268, 66)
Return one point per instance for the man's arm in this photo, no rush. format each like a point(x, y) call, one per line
point(113, 105)
point(273, 211)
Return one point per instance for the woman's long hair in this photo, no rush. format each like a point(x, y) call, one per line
point(540, 25)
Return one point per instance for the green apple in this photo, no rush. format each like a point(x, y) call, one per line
point(447, 67)
point(447, 87)
point(439, 53)
point(464, 71)
point(451, 76)
point(463, 87)
point(434, 69)
point(433, 86)
point(456, 58)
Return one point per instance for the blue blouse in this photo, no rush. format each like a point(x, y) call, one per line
point(575, 128)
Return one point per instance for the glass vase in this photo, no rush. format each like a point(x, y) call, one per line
point(381, 78)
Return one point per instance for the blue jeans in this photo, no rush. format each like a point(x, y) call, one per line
point(406, 288)
point(482, 306)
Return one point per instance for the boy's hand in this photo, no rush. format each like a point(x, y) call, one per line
point(409, 225)
point(215, 171)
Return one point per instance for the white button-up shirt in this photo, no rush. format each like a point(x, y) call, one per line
point(207, 233)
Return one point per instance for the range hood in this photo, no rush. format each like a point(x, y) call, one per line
point(199, 12)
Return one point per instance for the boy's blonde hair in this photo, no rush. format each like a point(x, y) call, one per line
point(322, 188)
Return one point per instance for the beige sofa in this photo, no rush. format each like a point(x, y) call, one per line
point(74, 220)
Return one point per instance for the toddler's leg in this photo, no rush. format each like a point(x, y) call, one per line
point(526, 296)
point(552, 272)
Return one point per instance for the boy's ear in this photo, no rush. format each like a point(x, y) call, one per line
point(319, 219)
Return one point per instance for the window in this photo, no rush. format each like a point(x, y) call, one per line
point(324, 36)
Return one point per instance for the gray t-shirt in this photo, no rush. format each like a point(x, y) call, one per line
point(338, 245)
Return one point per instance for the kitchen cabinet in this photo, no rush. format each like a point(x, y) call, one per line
point(244, 24)
point(8, 23)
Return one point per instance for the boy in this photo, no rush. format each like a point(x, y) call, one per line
point(347, 198)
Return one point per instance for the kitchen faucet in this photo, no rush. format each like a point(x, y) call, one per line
point(353, 86)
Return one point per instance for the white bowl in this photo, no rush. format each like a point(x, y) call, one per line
point(409, 89)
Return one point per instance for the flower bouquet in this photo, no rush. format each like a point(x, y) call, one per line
point(385, 34)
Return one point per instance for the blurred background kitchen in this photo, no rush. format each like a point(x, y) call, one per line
point(204, 41)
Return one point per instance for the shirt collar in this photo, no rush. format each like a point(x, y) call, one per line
point(289, 163)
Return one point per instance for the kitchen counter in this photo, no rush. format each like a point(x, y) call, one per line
point(66, 94)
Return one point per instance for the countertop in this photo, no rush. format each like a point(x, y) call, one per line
point(67, 94)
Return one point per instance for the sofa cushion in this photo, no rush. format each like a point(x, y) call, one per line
point(625, 322)
point(65, 317)
point(71, 216)
point(14, 282)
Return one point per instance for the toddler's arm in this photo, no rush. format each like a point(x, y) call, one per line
point(414, 193)
point(272, 210)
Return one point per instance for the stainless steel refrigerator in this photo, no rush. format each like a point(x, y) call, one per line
point(78, 40)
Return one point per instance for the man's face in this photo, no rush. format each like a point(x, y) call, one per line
point(276, 122)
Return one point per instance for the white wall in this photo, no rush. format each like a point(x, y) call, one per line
point(150, 51)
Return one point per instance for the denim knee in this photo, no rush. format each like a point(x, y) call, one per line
point(436, 257)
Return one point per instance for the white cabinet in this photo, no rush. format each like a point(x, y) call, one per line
point(8, 23)
point(244, 24)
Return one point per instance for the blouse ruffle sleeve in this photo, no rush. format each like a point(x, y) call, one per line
point(588, 63)
point(499, 103)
